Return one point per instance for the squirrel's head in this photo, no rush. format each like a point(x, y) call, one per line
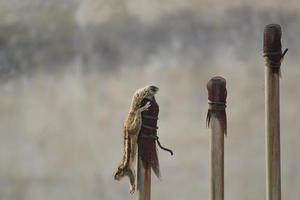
point(150, 91)
point(147, 92)
point(120, 173)
point(153, 89)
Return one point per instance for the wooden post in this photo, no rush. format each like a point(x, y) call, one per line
point(217, 122)
point(144, 180)
point(274, 56)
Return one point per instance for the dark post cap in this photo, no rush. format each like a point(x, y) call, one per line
point(217, 92)
point(272, 38)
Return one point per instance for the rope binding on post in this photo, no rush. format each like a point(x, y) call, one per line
point(156, 138)
point(272, 47)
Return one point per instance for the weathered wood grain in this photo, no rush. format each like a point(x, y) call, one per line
point(272, 128)
point(216, 151)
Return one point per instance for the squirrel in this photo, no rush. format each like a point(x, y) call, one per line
point(131, 129)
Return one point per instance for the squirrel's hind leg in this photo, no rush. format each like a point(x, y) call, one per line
point(131, 176)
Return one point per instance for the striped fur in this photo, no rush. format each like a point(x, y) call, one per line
point(131, 129)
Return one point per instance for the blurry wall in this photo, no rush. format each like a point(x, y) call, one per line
point(68, 70)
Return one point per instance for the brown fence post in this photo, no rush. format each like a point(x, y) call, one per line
point(273, 55)
point(217, 122)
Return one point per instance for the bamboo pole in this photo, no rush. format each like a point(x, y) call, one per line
point(144, 180)
point(274, 56)
point(216, 121)
point(216, 146)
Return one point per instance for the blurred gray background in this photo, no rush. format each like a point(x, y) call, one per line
point(68, 69)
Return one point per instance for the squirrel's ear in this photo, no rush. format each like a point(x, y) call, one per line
point(154, 88)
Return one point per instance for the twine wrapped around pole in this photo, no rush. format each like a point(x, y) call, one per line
point(273, 56)
point(217, 122)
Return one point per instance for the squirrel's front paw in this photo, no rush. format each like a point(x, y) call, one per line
point(146, 106)
point(132, 189)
